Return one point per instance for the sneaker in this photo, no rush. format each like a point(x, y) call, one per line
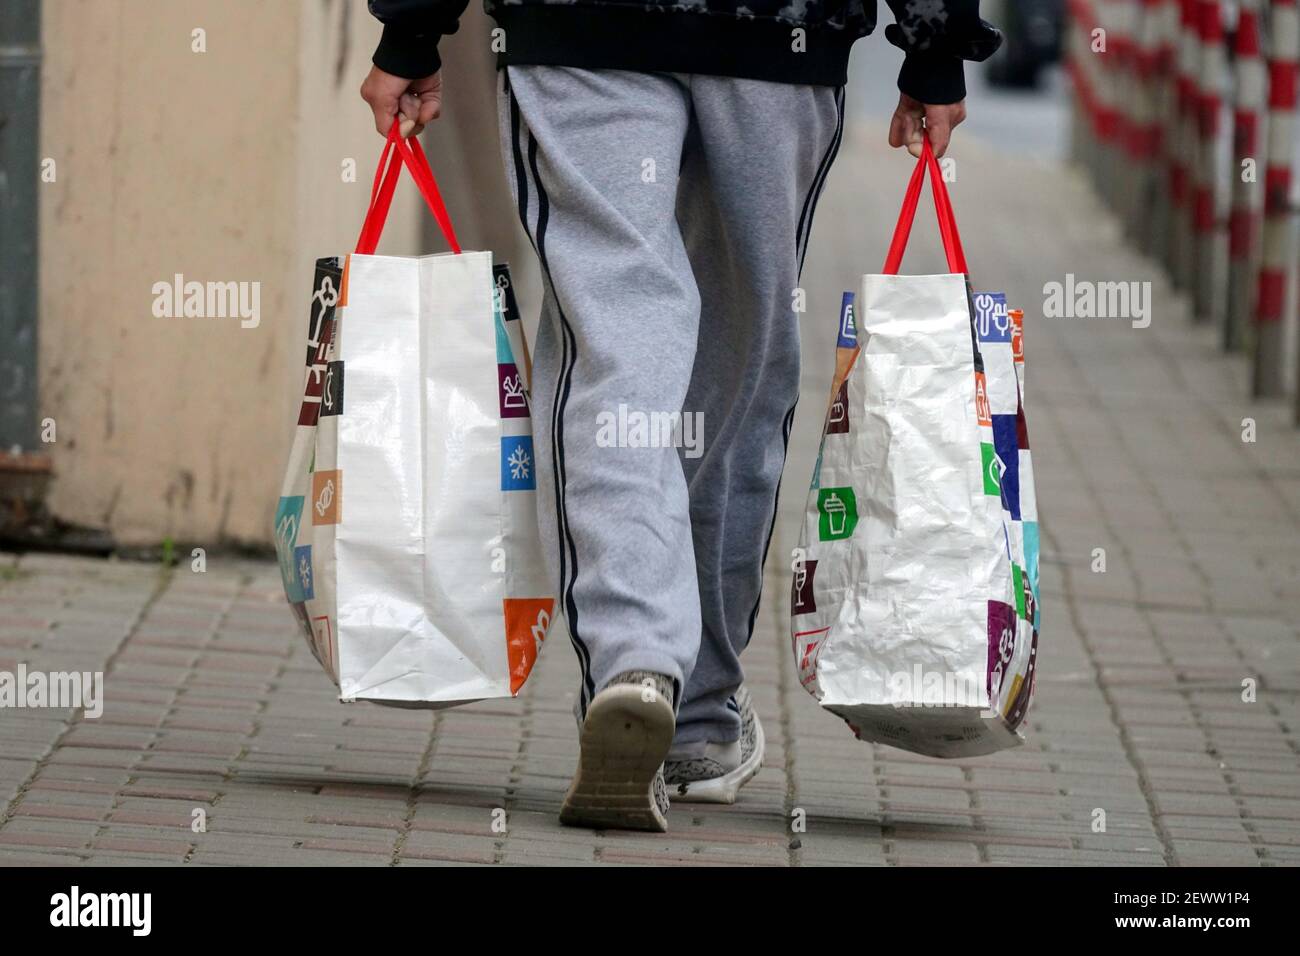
point(713, 773)
point(624, 738)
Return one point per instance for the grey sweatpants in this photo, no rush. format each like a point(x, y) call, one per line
point(670, 214)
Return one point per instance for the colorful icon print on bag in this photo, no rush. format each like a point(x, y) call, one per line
point(992, 324)
point(1030, 531)
point(1006, 445)
point(518, 468)
point(527, 620)
point(807, 645)
point(837, 510)
point(837, 419)
point(1018, 585)
point(983, 412)
point(802, 600)
point(320, 338)
point(848, 337)
point(505, 354)
point(1001, 645)
point(309, 413)
point(510, 392)
point(303, 571)
point(324, 298)
point(288, 513)
point(323, 640)
point(326, 492)
point(992, 470)
point(505, 290)
point(331, 399)
point(1027, 600)
point(1022, 688)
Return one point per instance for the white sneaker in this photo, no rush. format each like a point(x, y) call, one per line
point(706, 772)
point(628, 730)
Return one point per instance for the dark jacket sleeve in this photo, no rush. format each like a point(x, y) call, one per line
point(936, 36)
point(412, 29)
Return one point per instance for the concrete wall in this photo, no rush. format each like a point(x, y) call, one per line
point(222, 166)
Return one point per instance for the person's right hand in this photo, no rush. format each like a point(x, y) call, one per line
point(914, 120)
point(417, 101)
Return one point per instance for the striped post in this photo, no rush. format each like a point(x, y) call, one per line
point(1147, 130)
point(1276, 255)
point(1121, 69)
point(1183, 144)
point(1165, 19)
point(1250, 83)
point(1107, 86)
point(1212, 70)
point(1080, 131)
point(1082, 65)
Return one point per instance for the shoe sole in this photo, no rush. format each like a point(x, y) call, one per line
point(724, 789)
point(624, 740)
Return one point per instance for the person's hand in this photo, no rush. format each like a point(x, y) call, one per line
point(906, 129)
point(417, 101)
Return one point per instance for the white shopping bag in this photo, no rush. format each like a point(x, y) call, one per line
point(406, 528)
point(914, 605)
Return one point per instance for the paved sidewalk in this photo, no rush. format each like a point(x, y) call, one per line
point(215, 705)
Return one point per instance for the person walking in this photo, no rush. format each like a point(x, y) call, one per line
point(666, 158)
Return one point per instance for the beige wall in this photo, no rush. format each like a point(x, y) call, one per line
point(222, 165)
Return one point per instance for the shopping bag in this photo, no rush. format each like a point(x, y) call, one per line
point(406, 528)
point(914, 606)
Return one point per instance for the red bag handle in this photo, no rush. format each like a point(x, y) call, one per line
point(943, 209)
point(400, 152)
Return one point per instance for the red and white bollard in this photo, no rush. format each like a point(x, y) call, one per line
point(1164, 18)
point(1212, 77)
point(1276, 253)
point(1182, 151)
point(1145, 132)
point(1250, 99)
point(1121, 68)
point(1087, 66)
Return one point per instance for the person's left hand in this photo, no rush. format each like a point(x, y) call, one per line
point(906, 128)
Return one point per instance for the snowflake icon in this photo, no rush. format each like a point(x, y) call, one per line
point(520, 463)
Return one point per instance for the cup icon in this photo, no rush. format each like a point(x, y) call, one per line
point(836, 514)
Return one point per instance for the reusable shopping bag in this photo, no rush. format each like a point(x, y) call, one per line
point(406, 528)
point(914, 610)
